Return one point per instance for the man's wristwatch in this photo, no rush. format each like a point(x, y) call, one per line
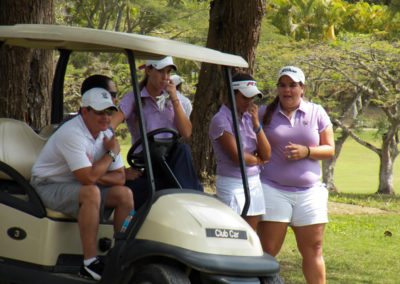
point(112, 155)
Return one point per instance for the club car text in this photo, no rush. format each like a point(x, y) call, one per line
point(226, 234)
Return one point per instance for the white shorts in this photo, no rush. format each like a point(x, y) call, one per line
point(301, 208)
point(230, 191)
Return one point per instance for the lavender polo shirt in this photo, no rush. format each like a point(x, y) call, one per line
point(153, 117)
point(222, 121)
point(307, 123)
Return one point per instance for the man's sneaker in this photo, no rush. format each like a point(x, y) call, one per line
point(93, 270)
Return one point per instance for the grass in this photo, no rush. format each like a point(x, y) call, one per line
point(356, 248)
point(357, 168)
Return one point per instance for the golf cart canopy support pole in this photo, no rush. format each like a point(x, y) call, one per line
point(232, 101)
point(142, 127)
point(57, 93)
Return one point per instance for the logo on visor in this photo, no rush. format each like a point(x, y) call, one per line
point(288, 70)
point(251, 83)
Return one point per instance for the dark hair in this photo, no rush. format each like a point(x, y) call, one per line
point(95, 81)
point(270, 110)
point(242, 77)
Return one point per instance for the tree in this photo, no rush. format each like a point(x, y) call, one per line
point(371, 69)
point(234, 28)
point(26, 75)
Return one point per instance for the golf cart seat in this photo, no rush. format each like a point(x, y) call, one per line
point(20, 146)
point(46, 131)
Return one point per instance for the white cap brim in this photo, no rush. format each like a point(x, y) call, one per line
point(250, 92)
point(98, 99)
point(176, 79)
point(161, 64)
point(295, 73)
point(247, 88)
point(103, 106)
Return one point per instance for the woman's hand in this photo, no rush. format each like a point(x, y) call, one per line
point(296, 151)
point(253, 110)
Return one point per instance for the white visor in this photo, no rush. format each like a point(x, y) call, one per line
point(247, 88)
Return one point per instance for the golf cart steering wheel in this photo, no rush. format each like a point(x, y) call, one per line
point(161, 145)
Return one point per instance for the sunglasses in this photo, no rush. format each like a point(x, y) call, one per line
point(113, 94)
point(108, 111)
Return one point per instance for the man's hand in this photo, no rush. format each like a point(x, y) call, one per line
point(111, 144)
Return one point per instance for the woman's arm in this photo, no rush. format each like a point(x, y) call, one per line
point(116, 119)
point(228, 143)
point(326, 148)
point(263, 146)
point(182, 122)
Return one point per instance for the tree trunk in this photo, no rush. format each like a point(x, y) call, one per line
point(388, 155)
point(234, 28)
point(26, 75)
point(328, 166)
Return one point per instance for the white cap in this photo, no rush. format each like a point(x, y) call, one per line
point(247, 88)
point(293, 72)
point(160, 64)
point(98, 99)
point(176, 79)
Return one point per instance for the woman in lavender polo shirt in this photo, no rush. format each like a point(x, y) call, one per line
point(163, 107)
point(255, 147)
point(301, 135)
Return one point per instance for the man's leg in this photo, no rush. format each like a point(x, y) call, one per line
point(140, 190)
point(88, 219)
point(120, 198)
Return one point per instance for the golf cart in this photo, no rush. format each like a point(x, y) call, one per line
point(174, 237)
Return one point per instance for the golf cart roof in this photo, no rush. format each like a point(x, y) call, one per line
point(86, 39)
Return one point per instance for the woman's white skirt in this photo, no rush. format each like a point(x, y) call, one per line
point(230, 191)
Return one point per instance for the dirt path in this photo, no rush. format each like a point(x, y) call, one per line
point(336, 208)
point(348, 209)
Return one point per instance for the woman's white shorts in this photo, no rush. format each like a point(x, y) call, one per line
point(300, 208)
point(230, 191)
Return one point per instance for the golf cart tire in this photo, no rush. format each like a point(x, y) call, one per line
point(276, 279)
point(160, 274)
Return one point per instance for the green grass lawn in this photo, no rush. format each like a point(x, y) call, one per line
point(357, 168)
point(356, 250)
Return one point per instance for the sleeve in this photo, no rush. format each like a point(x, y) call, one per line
point(186, 104)
point(323, 119)
point(218, 126)
point(126, 105)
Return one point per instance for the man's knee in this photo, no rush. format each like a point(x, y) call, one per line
point(90, 193)
point(124, 196)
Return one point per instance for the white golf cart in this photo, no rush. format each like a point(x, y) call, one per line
point(177, 236)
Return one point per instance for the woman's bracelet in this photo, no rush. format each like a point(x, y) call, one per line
point(308, 152)
point(257, 130)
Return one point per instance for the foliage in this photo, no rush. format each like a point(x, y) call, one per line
point(322, 19)
point(185, 20)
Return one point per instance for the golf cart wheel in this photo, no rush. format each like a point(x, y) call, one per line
point(276, 279)
point(160, 274)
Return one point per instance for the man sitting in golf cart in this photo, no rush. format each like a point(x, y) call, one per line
point(80, 171)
